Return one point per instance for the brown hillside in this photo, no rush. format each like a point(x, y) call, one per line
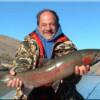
point(8, 48)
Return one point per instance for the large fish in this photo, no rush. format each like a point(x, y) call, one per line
point(57, 69)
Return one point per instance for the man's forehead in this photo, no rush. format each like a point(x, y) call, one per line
point(47, 13)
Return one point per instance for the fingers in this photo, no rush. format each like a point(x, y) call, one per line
point(88, 68)
point(12, 72)
point(9, 83)
point(77, 71)
point(81, 70)
point(18, 83)
point(14, 83)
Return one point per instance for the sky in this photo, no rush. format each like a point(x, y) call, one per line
point(80, 21)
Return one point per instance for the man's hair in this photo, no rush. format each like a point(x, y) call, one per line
point(48, 10)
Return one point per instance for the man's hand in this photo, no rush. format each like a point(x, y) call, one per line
point(81, 70)
point(16, 82)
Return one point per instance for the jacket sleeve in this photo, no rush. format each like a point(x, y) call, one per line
point(62, 48)
point(26, 56)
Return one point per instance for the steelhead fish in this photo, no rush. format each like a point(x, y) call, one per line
point(57, 69)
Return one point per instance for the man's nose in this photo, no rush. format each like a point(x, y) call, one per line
point(48, 27)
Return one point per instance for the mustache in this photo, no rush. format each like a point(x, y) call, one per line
point(49, 31)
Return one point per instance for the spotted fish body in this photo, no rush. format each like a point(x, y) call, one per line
point(57, 69)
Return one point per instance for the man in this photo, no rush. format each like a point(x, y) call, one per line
point(45, 43)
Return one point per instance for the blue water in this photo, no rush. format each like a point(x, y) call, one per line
point(89, 87)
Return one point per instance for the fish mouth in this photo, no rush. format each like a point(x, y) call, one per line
point(4, 79)
point(3, 68)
